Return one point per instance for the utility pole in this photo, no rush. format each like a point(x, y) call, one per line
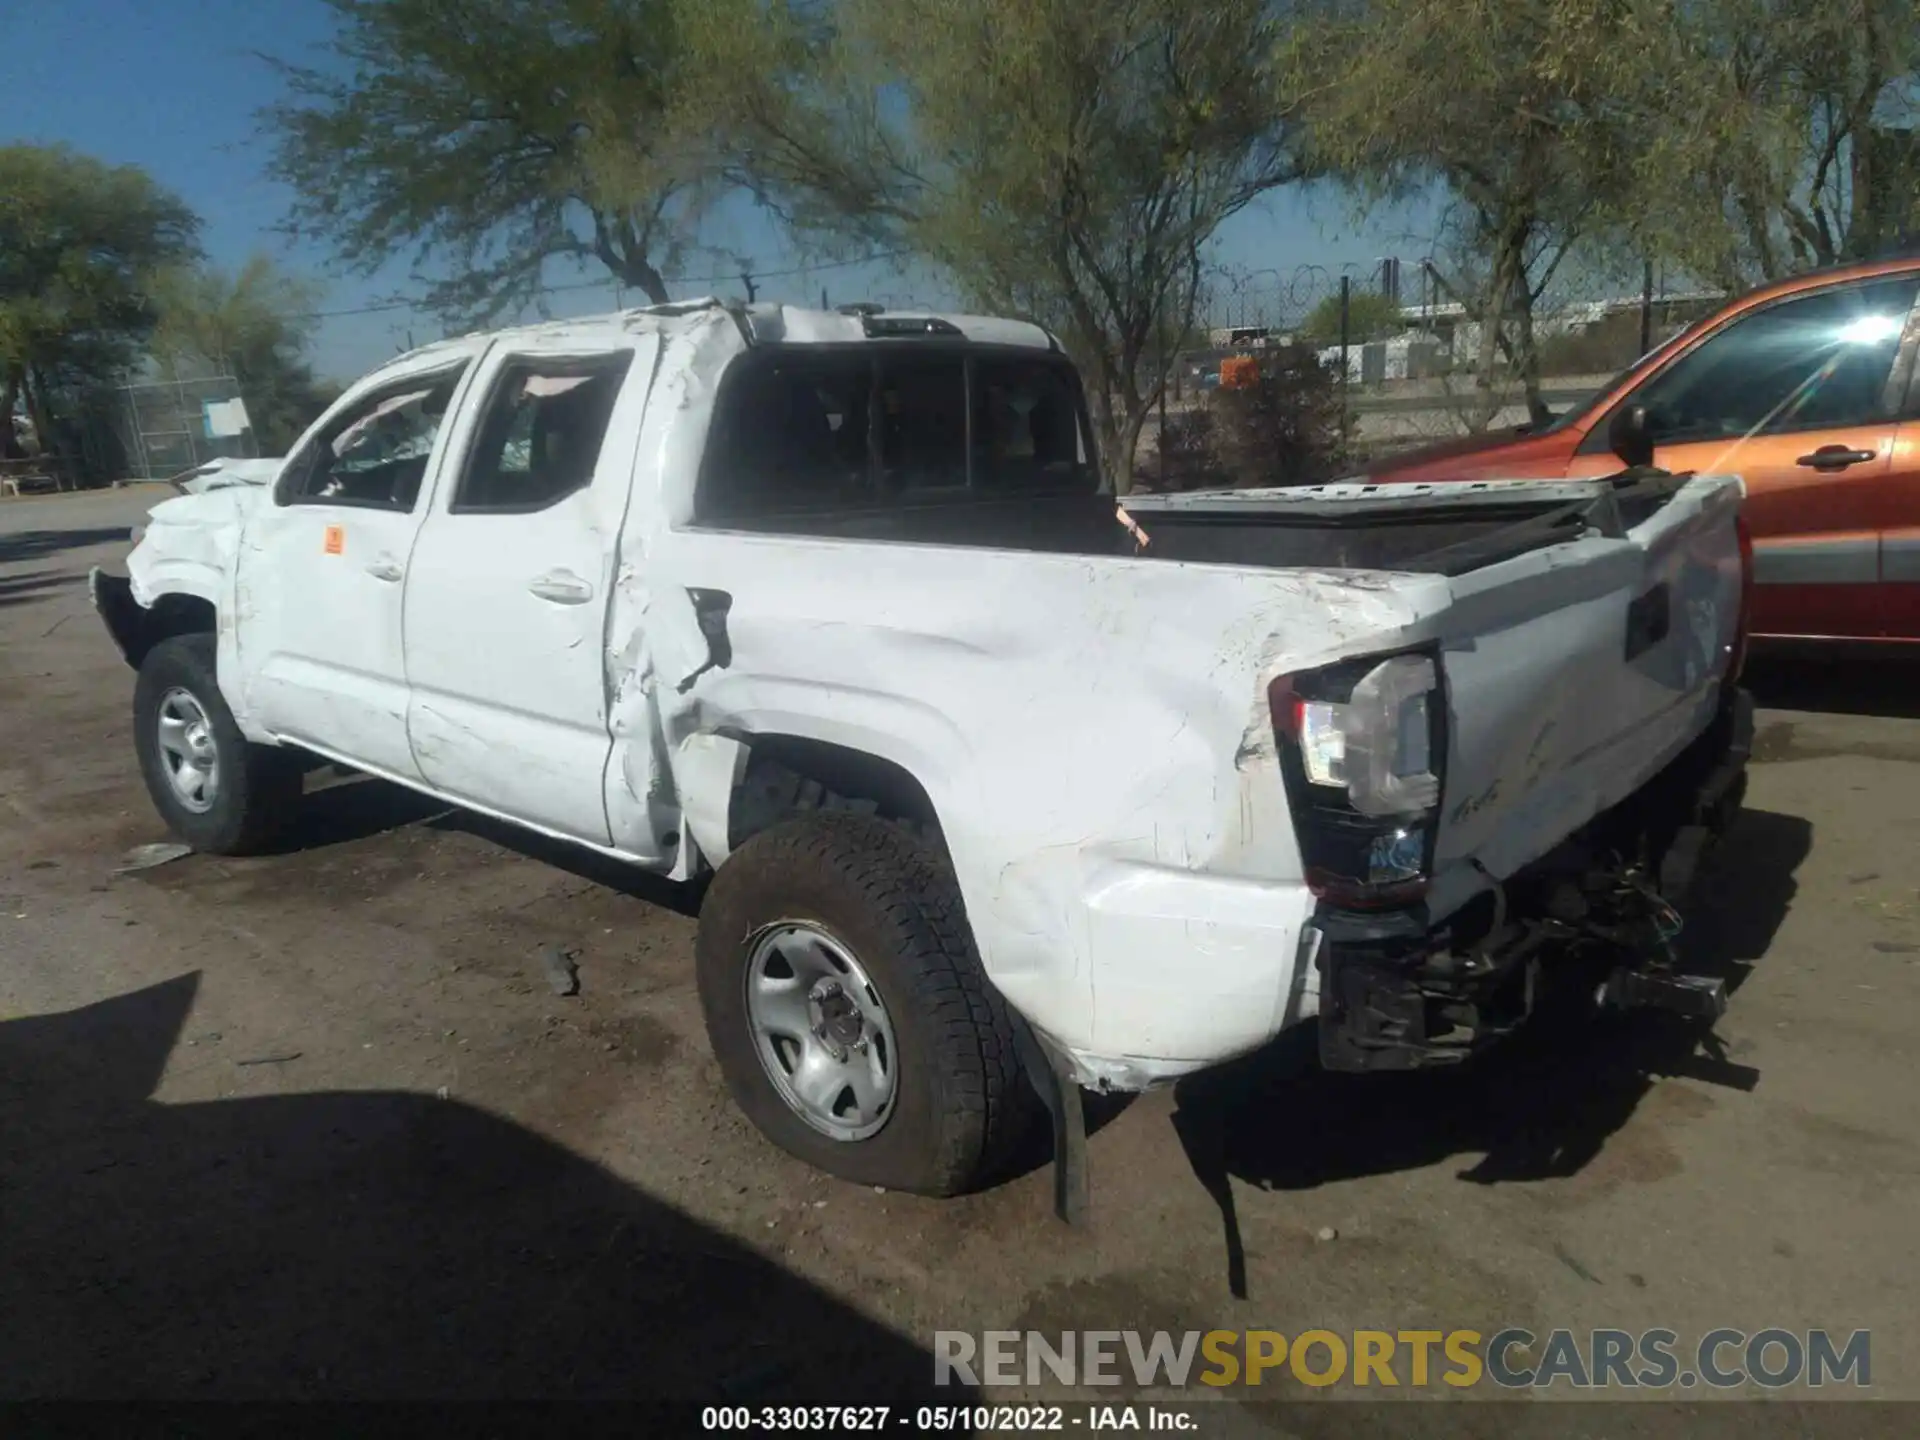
point(1646, 309)
point(1166, 375)
point(1346, 315)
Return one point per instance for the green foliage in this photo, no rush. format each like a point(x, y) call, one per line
point(1070, 160)
point(1058, 159)
point(490, 137)
point(1529, 115)
point(254, 323)
point(1370, 316)
point(1792, 138)
point(1742, 139)
point(80, 244)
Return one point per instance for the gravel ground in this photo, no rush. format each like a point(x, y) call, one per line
point(313, 1124)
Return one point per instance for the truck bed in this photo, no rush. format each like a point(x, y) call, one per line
point(1581, 628)
point(1446, 530)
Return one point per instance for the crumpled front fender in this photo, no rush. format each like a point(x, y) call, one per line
point(123, 616)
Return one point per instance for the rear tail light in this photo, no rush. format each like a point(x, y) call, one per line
point(1737, 657)
point(1363, 747)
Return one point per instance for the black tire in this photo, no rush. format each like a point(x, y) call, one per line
point(961, 1102)
point(259, 786)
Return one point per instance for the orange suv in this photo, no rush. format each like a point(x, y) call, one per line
point(1807, 390)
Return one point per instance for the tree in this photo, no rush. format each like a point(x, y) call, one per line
point(80, 244)
point(255, 323)
point(1370, 316)
point(1058, 159)
point(495, 136)
point(1524, 112)
point(1805, 116)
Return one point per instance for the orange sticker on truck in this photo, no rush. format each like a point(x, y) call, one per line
point(335, 540)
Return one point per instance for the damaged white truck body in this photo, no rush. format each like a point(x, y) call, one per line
point(991, 778)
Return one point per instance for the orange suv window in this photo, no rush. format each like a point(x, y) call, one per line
point(1809, 363)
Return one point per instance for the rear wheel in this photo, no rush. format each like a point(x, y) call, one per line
point(216, 791)
point(849, 1013)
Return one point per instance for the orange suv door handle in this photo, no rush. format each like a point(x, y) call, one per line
point(1836, 457)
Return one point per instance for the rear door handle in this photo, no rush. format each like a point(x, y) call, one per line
point(562, 588)
point(384, 569)
point(1836, 457)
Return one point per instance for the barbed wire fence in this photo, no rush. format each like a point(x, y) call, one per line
point(1400, 341)
point(1404, 353)
point(1407, 352)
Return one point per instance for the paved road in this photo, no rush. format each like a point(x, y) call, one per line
point(312, 1123)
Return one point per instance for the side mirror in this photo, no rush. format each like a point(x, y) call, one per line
point(1630, 437)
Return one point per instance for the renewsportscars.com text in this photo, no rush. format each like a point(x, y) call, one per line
point(1512, 1358)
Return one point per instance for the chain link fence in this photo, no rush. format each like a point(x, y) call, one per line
point(1413, 359)
point(1401, 342)
point(175, 421)
point(83, 448)
point(1408, 360)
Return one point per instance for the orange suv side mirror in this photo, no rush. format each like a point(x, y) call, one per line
point(1630, 437)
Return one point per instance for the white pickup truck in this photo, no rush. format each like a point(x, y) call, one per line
point(993, 776)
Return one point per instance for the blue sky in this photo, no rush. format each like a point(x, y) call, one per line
point(173, 85)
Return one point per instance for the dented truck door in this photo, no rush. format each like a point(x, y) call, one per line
point(322, 565)
point(508, 592)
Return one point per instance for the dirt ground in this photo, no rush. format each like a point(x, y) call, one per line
point(313, 1124)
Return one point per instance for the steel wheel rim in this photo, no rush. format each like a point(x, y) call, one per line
point(188, 751)
point(821, 1030)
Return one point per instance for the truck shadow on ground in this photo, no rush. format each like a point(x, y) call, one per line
point(39, 544)
point(1835, 679)
point(1540, 1107)
point(338, 811)
point(34, 585)
point(370, 1244)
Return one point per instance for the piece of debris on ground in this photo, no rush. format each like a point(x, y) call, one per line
point(146, 857)
point(563, 975)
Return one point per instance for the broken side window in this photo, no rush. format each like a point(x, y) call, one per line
point(539, 439)
point(375, 455)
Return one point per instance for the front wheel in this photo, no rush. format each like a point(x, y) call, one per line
point(217, 792)
point(849, 1013)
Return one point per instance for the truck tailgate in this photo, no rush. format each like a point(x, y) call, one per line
point(1574, 674)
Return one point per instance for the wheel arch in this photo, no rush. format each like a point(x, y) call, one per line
point(765, 778)
point(137, 628)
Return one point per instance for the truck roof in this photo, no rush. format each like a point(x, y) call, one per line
point(765, 324)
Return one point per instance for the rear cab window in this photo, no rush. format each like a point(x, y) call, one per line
point(813, 429)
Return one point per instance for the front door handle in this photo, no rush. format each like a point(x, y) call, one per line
point(384, 569)
point(1836, 457)
point(562, 588)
